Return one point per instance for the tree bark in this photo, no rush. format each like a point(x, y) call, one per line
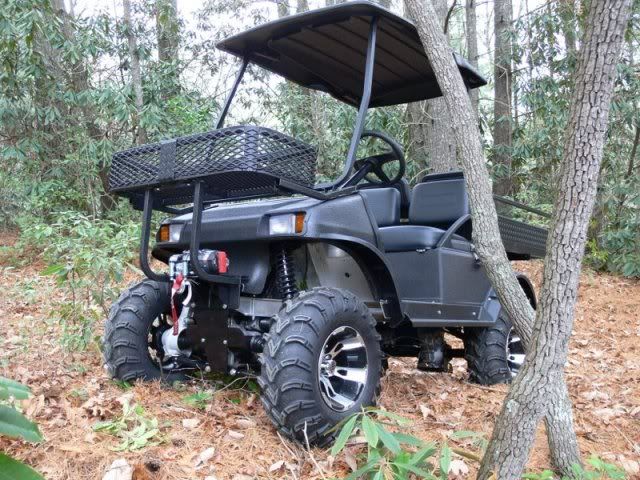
point(502, 116)
point(537, 389)
point(136, 77)
point(167, 33)
point(430, 132)
point(79, 76)
point(486, 235)
point(471, 35)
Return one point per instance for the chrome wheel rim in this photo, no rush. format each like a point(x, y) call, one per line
point(515, 352)
point(342, 368)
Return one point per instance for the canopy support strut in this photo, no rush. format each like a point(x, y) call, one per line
point(232, 93)
point(362, 110)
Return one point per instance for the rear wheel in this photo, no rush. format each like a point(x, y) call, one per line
point(321, 363)
point(494, 354)
point(132, 342)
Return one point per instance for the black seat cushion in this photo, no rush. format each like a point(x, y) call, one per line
point(384, 204)
point(439, 201)
point(405, 238)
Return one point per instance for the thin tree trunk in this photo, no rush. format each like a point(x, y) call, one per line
point(79, 76)
point(537, 389)
point(502, 116)
point(485, 232)
point(471, 35)
point(283, 8)
point(569, 25)
point(136, 77)
point(430, 123)
point(167, 31)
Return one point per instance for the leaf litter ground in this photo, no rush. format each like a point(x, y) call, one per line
point(215, 431)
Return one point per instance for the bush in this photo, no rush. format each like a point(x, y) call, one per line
point(88, 258)
point(14, 424)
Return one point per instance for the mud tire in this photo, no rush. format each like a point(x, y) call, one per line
point(289, 376)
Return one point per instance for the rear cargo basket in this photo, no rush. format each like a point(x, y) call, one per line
point(522, 240)
point(233, 162)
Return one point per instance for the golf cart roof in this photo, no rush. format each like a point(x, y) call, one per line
point(326, 50)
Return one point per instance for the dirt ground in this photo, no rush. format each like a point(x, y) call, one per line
point(231, 438)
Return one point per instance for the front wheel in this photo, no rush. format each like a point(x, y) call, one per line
point(132, 344)
point(321, 363)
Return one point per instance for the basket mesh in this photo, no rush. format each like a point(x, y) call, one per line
point(522, 238)
point(232, 161)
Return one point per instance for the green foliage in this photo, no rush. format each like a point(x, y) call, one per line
point(88, 258)
point(198, 400)
point(133, 428)
point(597, 469)
point(14, 424)
point(391, 454)
point(11, 469)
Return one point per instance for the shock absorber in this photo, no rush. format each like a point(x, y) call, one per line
point(285, 273)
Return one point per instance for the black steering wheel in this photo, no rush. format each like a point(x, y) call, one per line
point(373, 164)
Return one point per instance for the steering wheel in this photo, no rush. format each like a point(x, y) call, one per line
point(374, 163)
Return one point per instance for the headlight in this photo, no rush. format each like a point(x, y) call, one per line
point(175, 229)
point(286, 224)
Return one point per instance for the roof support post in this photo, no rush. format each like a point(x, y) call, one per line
point(364, 104)
point(232, 93)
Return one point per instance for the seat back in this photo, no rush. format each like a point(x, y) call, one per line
point(384, 205)
point(439, 200)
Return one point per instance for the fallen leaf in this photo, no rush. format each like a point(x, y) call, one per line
point(233, 435)
point(140, 472)
point(119, 470)
point(276, 466)
point(426, 411)
point(245, 423)
point(204, 457)
point(458, 467)
point(190, 423)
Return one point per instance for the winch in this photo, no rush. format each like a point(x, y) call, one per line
point(213, 261)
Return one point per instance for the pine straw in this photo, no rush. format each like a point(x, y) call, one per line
point(72, 393)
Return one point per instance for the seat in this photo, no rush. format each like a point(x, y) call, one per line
point(404, 238)
point(384, 204)
point(435, 205)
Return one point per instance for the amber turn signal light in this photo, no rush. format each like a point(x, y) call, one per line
point(163, 233)
point(299, 222)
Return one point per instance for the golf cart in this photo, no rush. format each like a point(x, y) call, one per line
point(311, 287)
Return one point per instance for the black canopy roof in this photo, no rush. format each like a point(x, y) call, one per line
point(325, 50)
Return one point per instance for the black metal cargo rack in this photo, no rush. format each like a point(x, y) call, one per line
point(521, 240)
point(230, 163)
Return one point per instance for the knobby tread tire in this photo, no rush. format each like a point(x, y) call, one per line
point(288, 376)
point(486, 353)
point(124, 343)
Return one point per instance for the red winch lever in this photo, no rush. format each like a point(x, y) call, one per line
point(176, 288)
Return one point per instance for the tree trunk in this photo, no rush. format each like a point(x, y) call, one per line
point(79, 77)
point(538, 388)
point(471, 35)
point(430, 132)
point(486, 235)
point(283, 8)
point(136, 77)
point(569, 25)
point(167, 31)
point(303, 6)
point(502, 117)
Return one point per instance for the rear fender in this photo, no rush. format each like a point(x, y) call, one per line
point(491, 306)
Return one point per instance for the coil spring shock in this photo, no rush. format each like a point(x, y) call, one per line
point(285, 274)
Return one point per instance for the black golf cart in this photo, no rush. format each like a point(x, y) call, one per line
point(310, 287)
